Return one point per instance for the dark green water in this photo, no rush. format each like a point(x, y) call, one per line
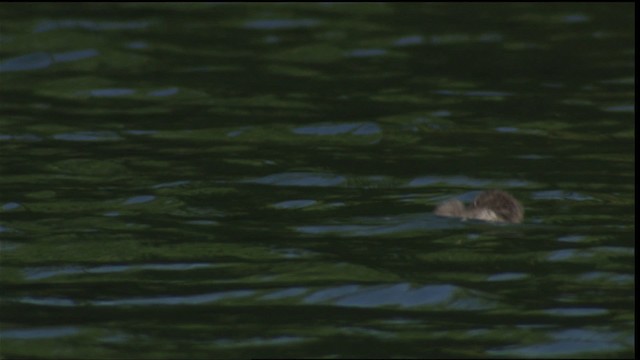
point(237, 181)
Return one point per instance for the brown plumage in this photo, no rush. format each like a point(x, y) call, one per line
point(490, 205)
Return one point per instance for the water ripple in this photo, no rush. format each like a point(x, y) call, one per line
point(280, 24)
point(367, 128)
point(299, 179)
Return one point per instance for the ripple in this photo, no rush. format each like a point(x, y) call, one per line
point(260, 341)
point(382, 225)
point(575, 18)
point(294, 204)
point(139, 199)
point(110, 92)
point(567, 254)
point(48, 301)
point(507, 129)
point(621, 108)
point(164, 92)
point(44, 272)
point(577, 254)
point(280, 24)
point(464, 181)
point(450, 180)
point(409, 40)
point(576, 311)
point(476, 93)
point(11, 206)
point(171, 184)
point(141, 132)
point(572, 238)
point(75, 55)
point(362, 53)
point(507, 276)
point(285, 293)
point(565, 343)
point(299, 179)
point(177, 300)
point(402, 295)
point(25, 137)
point(607, 277)
point(88, 136)
point(50, 25)
point(33, 61)
point(42, 60)
point(39, 333)
point(560, 195)
point(367, 128)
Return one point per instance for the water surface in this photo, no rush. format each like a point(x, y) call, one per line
point(258, 180)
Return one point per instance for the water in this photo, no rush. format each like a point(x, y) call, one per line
point(237, 181)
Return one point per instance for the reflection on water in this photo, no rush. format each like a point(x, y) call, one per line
point(40, 333)
point(400, 295)
point(38, 273)
point(567, 343)
point(259, 181)
point(300, 179)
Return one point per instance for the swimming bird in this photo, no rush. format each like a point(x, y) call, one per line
point(490, 205)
